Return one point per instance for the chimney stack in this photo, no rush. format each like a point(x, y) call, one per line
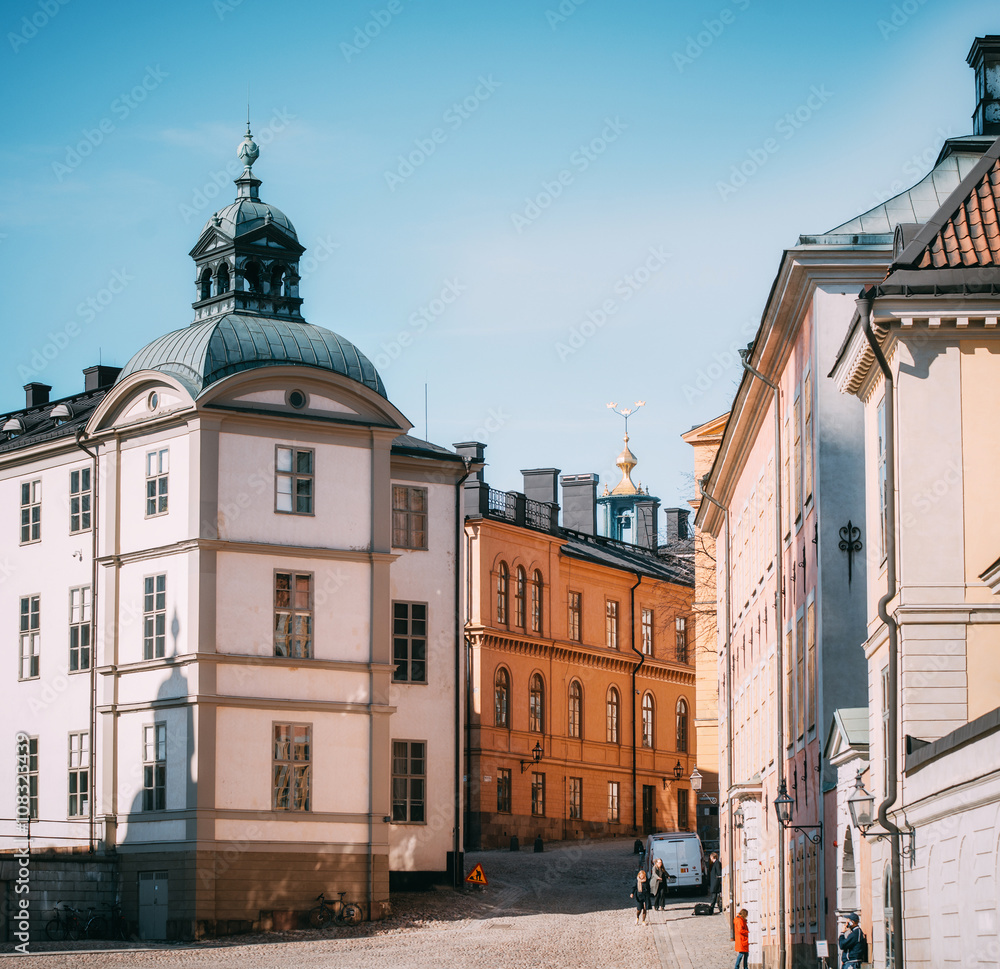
point(541, 484)
point(984, 59)
point(579, 504)
point(475, 491)
point(99, 377)
point(646, 526)
point(678, 528)
point(36, 394)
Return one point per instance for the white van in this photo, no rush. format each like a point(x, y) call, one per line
point(681, 854)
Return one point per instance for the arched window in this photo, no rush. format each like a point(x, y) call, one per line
point(848, 882)
point(205, 284)
point(520, 581)
point(614, 714)
point(251, 273)
point(647, 720)
point(536, 602)
point(536, 704)
point(277, 275)
point(501, 695)
point(575, 709)
point(682, 725)
point(503, 577)
point(222, 280)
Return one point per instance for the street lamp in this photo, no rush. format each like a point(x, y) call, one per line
point(862, 806)
point(783, 809)
point(738, 817)
point(536, 756)
point(678, 771)
point(695, 780)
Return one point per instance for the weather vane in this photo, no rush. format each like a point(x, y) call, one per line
point(626, 412)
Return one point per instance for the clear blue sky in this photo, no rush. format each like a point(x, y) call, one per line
point(624, 117)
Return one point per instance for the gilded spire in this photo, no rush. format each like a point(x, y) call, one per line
point(626, 460)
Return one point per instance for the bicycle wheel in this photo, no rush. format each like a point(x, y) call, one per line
point(55, 929)
point(120, 927)
point(97, 928)
point(320, 916)
point(350, 914)
point(74, 927)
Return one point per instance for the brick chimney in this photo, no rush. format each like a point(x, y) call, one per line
point(36, 394)
point(579, 504)
point(984, 59)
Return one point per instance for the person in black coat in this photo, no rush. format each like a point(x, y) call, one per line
point(852, 943)
point(640, 892)
point(715, 881)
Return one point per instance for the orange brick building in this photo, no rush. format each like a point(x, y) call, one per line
point(581, 695)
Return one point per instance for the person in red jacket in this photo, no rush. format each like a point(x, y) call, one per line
point(742, 939)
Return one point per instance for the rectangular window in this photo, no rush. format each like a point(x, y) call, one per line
point(807, 433)
point(409, 517)
point(293, 480)
point(409, 642)
point(800, 677)
point(576, 798)
point(79, 500)
point(292, 769)
point(882, 497)
point(79, 775)
point(790, 718)
point(157, 472)
point(293, 615)
point(538, 795)
point(409, 774)
point(31, 511)
point(574, 616)
point(786, 478)
point(154, 617)
point(503, 790)
point(797, 458)
point(611, 623)
point(154, 767)
point(613, 796)
point(28, 768)
point(647, 631)
point(31, 637)
point(681, 639)
point(79, 628)
point(811, 685)
point(682, 810)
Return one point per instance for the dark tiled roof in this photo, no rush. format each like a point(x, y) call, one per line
point(39, 426)
point(407, 444)
point(629, 558)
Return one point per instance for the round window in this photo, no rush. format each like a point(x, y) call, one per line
point(153, 400)
point(296, 399)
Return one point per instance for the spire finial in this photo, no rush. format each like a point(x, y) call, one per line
point(626, 460)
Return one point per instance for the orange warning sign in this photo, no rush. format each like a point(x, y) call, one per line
point(476, 876)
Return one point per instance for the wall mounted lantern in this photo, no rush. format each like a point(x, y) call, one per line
point(536, 756)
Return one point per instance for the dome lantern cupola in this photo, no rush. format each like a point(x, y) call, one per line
point(247, 256)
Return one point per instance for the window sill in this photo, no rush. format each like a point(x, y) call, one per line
point(296, 514)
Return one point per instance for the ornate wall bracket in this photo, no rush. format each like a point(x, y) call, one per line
point(850, 542)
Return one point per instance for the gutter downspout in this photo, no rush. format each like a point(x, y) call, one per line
point(80, 434)
point(864, 305)
point(729, 716)
point(456, 841)
point(635, 669)
point(779, 615)
point(371, 682)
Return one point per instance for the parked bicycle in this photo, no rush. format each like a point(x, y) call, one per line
point(117, 924)
point(335, 912)
point(94, 926)
point(66, 924)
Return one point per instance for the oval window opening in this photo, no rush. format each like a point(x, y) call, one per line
point(296, 399)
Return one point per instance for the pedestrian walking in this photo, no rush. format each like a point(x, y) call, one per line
point(852, 942)
point(658, 883)
point(640, 892)
point(715, 881)
point(742, 939)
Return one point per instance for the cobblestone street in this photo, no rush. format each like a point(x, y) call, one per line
point(566, 907)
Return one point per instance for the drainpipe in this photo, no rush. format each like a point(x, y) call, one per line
point(635, 669)
point(864, 305)
point(80, 434)
point(729, 715)
point(456, 872)
point(779, 614)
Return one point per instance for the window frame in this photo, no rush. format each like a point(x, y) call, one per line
point(503, 593)
point(504, 723)
point(681, 710)
point(411, 780)
point(294, 800)
point(78, 766)
point(30, 635)
point(537, 794)
point(683, 812)
point(31, 511)
point(574, 621)
point(505, 784)
point(520, 590)
point(537, 601)
point(648, 721)
point(158, 482)
point(575, 798)
point(613, 707)
point(404, 534)
point(681, 647)
point(646, 626)
point(293, 476)
point(614, 802)
point(154, 646)
point(611, 616)
point(81, 500)
point(409, 640)
point(32, 774)
point(81, 624)
point(292, 611)
point(536, 704)
point(154, 766)
point(574, 708)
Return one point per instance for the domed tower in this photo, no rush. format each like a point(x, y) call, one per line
point(247, 256)
point(627, 512)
